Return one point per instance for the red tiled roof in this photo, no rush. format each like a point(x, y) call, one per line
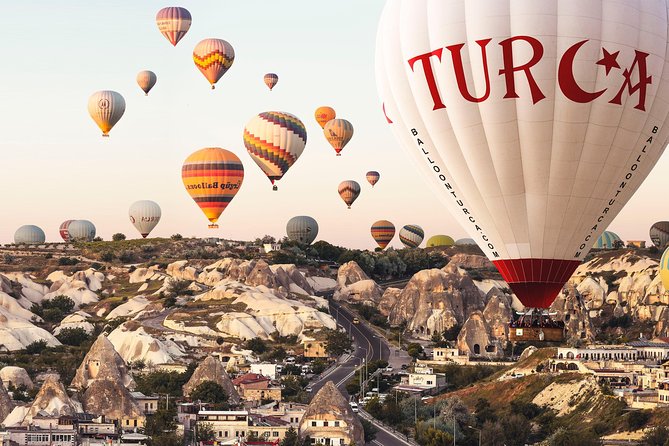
point(249, 378)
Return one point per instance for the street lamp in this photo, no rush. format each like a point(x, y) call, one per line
point(479, 431)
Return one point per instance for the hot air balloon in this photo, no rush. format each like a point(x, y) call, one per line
point(338, 132)
point(659, 234)
point(439, 240)
point(63, 230)
point(349, 191)
point(324, 115)
point(271, 80)
point(213, 57)
point(411, 236)
point(29, 235)
point(465, 241)
point(534, 124)
point(81, 231)
point(173, 23)
point(373, 177)
point(383, 232)
point(664, 270)
point(275, 140)
point(106, 107)
point(608, 240)
point(146, 80)
point(212, 177)
point(144, 215)
point(302, 229)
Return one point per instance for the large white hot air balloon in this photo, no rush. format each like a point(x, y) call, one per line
point(106, 108)
point(536, 121)
point(144, 215)
point(302, 228)
point(81, 231)
point(29, 235)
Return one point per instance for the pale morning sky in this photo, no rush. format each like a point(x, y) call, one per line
point(56, 166)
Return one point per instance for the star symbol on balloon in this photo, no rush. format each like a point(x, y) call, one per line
point(609, 60)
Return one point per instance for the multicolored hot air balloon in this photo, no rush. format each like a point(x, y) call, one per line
point(173, 23)
point(349, 191)
point(664, 270)
point(63, 230)
point(106, 108)
point(383, 232)
point(324, 115)
point(29, 235)
point(659, 234)
point(275, 140)
point(212, 177)
point(338, 132)
point(146, 80)
point(608, 240)
point(439, 240)
point(271, 80)
point(144, 215)
point(373, 177)
point(535, 124)
point(303, 229)
point(81, 231)
point(411, 236)
point(213, 57)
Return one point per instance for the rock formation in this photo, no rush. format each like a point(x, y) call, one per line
point(102, 363)
point(388, 300)
point(211, 369)
point(111, 399)
point(15, 376)
point(475, 337)
point(571, 309)
point(330, 405)
point(471, 261)
point(498, 314)
point(52, 399)
point(6, 404)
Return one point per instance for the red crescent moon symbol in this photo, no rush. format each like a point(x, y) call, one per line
point(566, 79)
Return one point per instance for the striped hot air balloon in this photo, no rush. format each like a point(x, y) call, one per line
point(411, 236)
point(608, 240)
point(63, 230)
point(212, 177)
point(439, 240)
point(144, 216)
point(271, 80)
point(664, 270)
point(146, 80)
point(173, 23)
point(338, 132)
point(302, 228)
point(324, 115)
point(349, 191)
point(383, 232)
point(81, 231)
point(275, 140)
point(106, 108)
point(659, 234)
point(29, 235)
point(373, 177)
point(213, 57)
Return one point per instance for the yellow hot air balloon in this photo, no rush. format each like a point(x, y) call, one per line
point(213, 57)
point(338, 132)
point(106, 107)
point(212, 176)
point(664, 270)
point(324, 115)
point(440, 240)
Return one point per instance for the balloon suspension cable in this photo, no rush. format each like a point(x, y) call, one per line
point(213, 226)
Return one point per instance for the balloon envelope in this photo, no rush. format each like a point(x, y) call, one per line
point(373, 177)
point(324, 115)
point(81, 231)
point(63, 230)
point(607, 240)
point(213, 57)
point(146, 80)
point(349, 191)
point(659, 234)
point(212, 177)
point(338, 132)
point(271, 80)
point(664, 270)
point(106, 108)
point(303, 229)
point(465, 241)
point(275, 140)
point(411, 236)
point(144, 215)
point(173, 23)
point(29, 235)
point(535, 125)
point(439, 240)
point(383, 232)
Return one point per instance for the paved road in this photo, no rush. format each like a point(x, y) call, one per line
point(367, 346)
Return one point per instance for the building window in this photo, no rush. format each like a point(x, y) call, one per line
point(336, 423)
point(275, 434)
point(325, 423)
point(313, 424)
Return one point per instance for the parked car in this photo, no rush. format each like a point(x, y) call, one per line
point(388, 369)
point(290, 360)
point(356, 321)
point(309, 389)
point(354, 406)
point(404, 366)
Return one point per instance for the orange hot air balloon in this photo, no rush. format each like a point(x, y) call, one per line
point(338, 132)
point(212, 177)
point(324, 114)
point(383, 232)
point(271, 80)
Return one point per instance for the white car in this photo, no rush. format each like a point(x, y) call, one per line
point(354, 406)
point(388, 369)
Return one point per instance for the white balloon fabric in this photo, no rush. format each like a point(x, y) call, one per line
point(29, 235)
point(302, 228)
point(106, 107)
point(81, 231)
point(536, 121)
point(144, 215)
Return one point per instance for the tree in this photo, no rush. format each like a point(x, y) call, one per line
point(53, 310)
point(637, 419)
point(176, 237)
point(492, 434)
point(414, 350)
point(205, 432)
point(369, 429)
point(484, 412)
point(338, 342)
point(658, 436)
point(36, 347)
point(107, 256)
point(291, 438)
point(257, 345)
point(118, 237)
point(571, 437)
point(73, 336)
point(178, 287)
point(97, 239)
point(211, 392)
point(160, 422)
point(516, 429)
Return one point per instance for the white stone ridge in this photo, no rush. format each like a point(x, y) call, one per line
point(77, 319)
point(129, 308)
point(16, 332)
point(133, 345)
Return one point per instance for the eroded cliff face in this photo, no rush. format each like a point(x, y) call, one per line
point(354, 286)
point(211, 369)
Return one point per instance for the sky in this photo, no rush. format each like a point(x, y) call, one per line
point(56, 166)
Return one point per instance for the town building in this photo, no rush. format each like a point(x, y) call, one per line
point(266, 369)
point(230, 425)
point(148, 403)
point(256, 387)
point(425, 377)
point(315, 348)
